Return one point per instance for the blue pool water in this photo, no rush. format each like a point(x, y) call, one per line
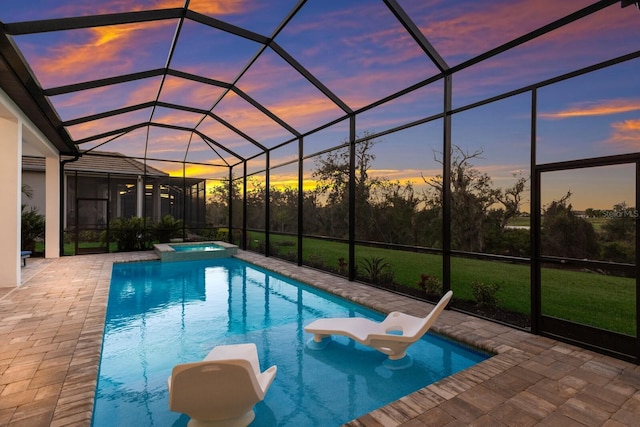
point(161, 314)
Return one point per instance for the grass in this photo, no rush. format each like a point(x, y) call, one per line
point(520, 221)
point(599, 300)
point(597, 223)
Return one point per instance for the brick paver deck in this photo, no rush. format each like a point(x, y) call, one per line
point(51, 334)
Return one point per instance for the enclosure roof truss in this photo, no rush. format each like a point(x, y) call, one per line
point(214, 126)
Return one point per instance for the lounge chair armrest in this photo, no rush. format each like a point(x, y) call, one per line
point(266, 378)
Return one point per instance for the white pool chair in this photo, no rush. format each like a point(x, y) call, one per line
point(222, 389)
point(392, 336)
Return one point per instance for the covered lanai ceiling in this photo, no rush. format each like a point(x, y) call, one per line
point(218, 82)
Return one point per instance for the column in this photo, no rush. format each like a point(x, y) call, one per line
point(52, 210)
point(11, 196)
point(139, 196)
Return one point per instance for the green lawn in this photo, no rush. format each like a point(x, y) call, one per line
point(597, 223)
point(523, 221)
point(520, 221)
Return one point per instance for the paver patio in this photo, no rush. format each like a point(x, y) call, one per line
point(51, 334)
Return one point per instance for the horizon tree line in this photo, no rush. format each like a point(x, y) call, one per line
point(394, 212)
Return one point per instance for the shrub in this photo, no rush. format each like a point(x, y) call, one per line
point(343, 266)
point(207, 233)
point(316, 260)
point(128, 233)
point(167, 228)
point(287, 255)
point(31, 228)
point(89, 236)
point(485, 293)
point(258, 245)
point(377, 270)
point(69, 235)
point(430, 284)
point(618, 252)
point(222, 234)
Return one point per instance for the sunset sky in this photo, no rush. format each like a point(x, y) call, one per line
point(361, 53)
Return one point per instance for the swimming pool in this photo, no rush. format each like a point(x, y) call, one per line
point(161, 314)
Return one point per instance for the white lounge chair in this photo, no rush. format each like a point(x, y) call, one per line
point(392, 336)
point(222, 389)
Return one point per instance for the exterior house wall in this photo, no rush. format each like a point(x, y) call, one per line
point(10, 136)
point(21, 137)
point(36, 181)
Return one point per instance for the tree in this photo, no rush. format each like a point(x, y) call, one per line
point(393, 214)
point(620, 224)
point(283, 206)
point(618, 233)
point(255, 199)
point(511, 199)
point(477, 208)
point(389, 211)
point(332, 185)
point(566, 235)
point(218, 202)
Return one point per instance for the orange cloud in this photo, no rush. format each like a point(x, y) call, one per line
point(110, 47)
point(283, 180)
point(218, 132)
point(303, 111)
point(200, 171)
point(143, 93)
point(284, 92)
point(83, 101)
point(186, 92)
point(628, 125)
point(131, 144)
point(468, 31)
point(603, 108)
point(365, 59)
point(472, 32)
point(626, 132)
point(103, 48)
point(244, 116)
point(176, 117)
point(219, 7)
point(95, 127)
point(459, 33)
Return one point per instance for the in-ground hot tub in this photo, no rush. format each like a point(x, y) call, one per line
point(194, 251)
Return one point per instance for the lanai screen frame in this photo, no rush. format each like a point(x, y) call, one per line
point(619, 345)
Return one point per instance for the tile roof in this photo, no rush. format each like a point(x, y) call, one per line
point(99, 162)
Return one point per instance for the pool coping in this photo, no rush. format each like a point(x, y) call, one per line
point(53, 325)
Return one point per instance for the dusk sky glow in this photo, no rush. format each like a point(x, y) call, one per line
point(361, 53)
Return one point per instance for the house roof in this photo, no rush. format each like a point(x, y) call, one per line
point(102, 162)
